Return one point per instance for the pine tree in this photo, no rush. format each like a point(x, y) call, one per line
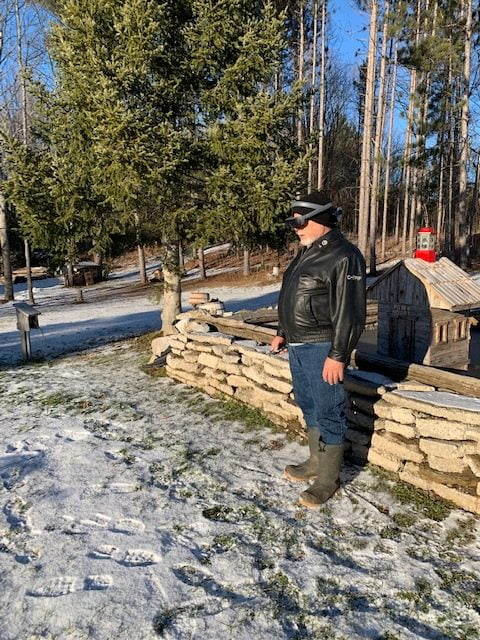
point(256, 165)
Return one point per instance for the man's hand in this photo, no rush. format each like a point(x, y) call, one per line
point(277, 344)
point(333, 371)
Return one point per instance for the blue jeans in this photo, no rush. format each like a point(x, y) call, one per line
point(322, 404)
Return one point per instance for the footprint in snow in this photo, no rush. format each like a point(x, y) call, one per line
point(74, 435)
point(115, 487)
point(128, 526)
point(129, 558)
point(17, 518)
point(63, 585)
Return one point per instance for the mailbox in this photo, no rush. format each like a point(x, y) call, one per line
point(27, 318)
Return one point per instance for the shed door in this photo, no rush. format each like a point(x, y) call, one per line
point(401, 342)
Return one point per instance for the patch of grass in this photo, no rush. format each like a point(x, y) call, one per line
point(143, 343)
point(56, 399)
point(433, 508)
point(223, 542)
point(390, 533)
point(464, 585)
point(284, 594)
point(250, 417)
point(436, 509)
point(421, 596)
point(163, 620)
point(404, 519)
point(220, 513)
point(464, 533)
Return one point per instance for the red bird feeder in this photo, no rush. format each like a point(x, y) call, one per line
point(426, 242)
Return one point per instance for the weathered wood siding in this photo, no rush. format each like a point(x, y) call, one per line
point(400, 286)
point(404, 332)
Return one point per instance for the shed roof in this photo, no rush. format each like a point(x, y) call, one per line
point(447, 286)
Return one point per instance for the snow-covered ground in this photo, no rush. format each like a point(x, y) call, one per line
point(110, 312)
point(134, 508)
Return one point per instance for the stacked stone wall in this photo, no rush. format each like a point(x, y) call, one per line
point(429, 438)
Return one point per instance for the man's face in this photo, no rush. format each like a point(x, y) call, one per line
point(310, 231)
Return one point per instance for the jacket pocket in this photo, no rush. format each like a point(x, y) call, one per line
point(317, 308)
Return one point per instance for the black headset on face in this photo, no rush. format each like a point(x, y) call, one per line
point(297, 222)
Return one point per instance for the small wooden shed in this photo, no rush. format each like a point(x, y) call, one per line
point(87, 273)
point(424, 312)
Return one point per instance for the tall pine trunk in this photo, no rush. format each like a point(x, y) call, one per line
point(300, 63)
point(201, 264)
point(140, 250)
point(246, 262)
point(312, 93)
point(172, 304)
point(23, 98)
point(388, 158)
point(377, 158)
point(464, 149)
point(5, 247)
point(321, 100)
point(365, 165)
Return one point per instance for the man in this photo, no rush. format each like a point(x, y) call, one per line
point(321, 315)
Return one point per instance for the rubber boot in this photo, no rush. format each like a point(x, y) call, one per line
point(308, 469)
point(328, 479)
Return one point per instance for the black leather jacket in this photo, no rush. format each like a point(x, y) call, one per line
point(323, 295)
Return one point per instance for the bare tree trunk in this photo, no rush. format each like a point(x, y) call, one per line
point(23, 95)
point(301, 56)
point(407, 158)
point(181, 259)
point(69, 278)
point(141, 251)
point(28, 265)
point(397, 222)
point(201, 264)
point(321, 103)
point(312, 93)
point(449, 241)
point(464, 121)
point(246, 262)
point(388, 158)
point(5, 247)
point(172, 304)
point(365, 165)
point(440, 202)
point(475, 217)
point(378, 145)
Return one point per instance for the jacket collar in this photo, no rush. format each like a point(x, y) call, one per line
point(332, 237)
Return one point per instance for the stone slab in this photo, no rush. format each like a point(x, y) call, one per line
point(404, 430)
point(195, 346)
point(439, 404)
point(444, 449)
point(384, 460)
point(239, 381)
point(447, 465)
point(211, 338)
point(474, 464)
point(394, 445)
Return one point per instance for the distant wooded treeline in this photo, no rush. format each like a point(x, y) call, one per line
point(202, 120)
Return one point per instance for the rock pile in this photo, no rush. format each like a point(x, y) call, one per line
point(429, 438)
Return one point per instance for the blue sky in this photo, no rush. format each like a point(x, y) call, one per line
point(347, 22)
